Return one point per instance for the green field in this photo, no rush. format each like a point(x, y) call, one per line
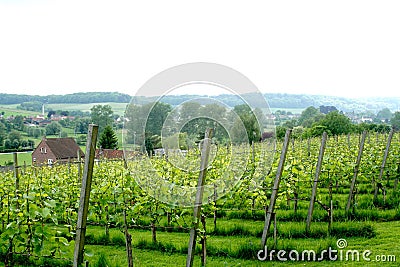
point(22, 157)
point(12, 110)
point(118, 108)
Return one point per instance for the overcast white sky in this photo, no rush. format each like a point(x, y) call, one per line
point(344, 48)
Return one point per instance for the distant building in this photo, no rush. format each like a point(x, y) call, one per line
point(51, 150)
point(109, 154)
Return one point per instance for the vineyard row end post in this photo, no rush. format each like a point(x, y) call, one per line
point(356, 168)
point(85, 194)
point(315, 185)
point(389, 141)
point(275, 189)
point(205, 152)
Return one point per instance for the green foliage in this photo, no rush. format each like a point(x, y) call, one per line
point(35, 131)
point(54, 128)
point(81, 140)
point(336, 123)
point(249, 120)
point(82, 125)
point(395, 121)
point(309, 116)
point(108, 139)
point(158, 112)
point(102, 115)
point(145, 122)
point(89, 97)
point(384, 114)
point(102, 261)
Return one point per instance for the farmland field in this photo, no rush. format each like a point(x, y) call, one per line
point(22, 157)
point(38, 219)
point(118, 108)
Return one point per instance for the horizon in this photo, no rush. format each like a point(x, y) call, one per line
point(208, 95)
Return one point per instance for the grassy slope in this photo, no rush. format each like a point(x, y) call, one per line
point(383, 244)
point(23, 156)
point(118, 108)
point(12, 110)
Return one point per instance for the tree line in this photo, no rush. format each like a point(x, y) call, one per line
point(145, 124)
point(312, 122)
point(35, 101)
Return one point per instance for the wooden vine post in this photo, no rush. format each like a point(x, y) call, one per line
point(275, 189)
point(205, 153)
point(16, 173)
point(315, 185)
point(85, 194)
point(356, 168)
point(128, 242)
point(376, 184)
point(78, 154)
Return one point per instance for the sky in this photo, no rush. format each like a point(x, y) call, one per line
point(341, 48)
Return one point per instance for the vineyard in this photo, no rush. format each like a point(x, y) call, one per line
point(39, 207)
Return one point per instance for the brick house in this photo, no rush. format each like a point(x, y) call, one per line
point(51, 150)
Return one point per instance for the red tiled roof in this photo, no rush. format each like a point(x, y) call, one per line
point(109, 153)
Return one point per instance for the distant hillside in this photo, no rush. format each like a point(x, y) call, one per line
point(301, 101)
point(80, 98)
point(275, 100)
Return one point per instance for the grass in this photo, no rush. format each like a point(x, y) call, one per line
point(118, 108)
point(382, 244)
point(222, 251)
point(12, 110)
point(22, 157)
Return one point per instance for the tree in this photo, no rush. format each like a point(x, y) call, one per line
point(336, 123)
point(51, 113)
point(309, 116)
point(108, 139)
point(102, 115)
point(144, 121)
point(31, 106)
point(13, 140)
point(395, 121)
point(249, 120)
point(158, 113)
point(327, 109)
point(53, 128)
point(384, 114)
point(18, 123)
point(82, 125)
point(14, 136)
point(2, 133)
point(152, 142)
